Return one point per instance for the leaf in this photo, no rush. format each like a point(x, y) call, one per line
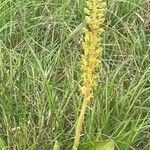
point(2, 144)
point(101, 145)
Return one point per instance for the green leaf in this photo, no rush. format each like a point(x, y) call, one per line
point(2, 144)
point(101, 145)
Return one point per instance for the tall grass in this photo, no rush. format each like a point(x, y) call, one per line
point(40, 73)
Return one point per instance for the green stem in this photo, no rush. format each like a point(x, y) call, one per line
point(79, 125)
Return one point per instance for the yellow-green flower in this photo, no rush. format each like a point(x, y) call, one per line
point(91, 58)
point(92, 45)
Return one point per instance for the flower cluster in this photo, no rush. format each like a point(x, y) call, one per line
point(92, 45)
point(91, 57)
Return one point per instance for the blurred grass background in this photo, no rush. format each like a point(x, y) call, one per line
point(40, 54)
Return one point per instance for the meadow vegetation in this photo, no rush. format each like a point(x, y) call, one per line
point(40, 74)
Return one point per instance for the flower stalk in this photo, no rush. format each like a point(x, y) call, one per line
point(91, 58)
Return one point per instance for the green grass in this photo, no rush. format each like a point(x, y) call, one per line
point(40, 54)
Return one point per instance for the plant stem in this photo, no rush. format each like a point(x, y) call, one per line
point(79, 125)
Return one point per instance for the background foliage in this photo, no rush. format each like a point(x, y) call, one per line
point(40, 58)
